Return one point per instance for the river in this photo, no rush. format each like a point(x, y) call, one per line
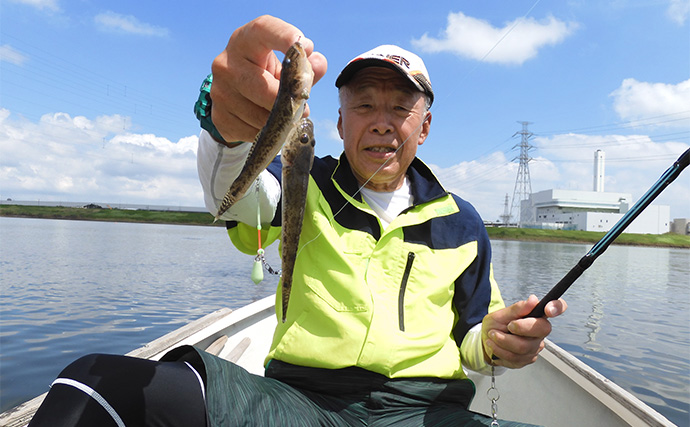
point(68, 288)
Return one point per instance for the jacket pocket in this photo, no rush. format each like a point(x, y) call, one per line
point(403, 286)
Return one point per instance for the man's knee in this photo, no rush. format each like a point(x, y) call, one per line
point(81, 367)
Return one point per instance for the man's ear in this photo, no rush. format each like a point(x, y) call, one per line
point(426, 128)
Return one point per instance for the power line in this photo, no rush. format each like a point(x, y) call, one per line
point(645, 121)
point(632, 140)
point(645, 158)
point(86, 89)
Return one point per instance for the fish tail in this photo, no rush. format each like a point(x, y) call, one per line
point(286, 299)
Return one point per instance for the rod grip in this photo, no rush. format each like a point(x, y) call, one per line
point(562, 286)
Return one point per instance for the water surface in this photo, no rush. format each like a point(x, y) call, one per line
point(70, 288)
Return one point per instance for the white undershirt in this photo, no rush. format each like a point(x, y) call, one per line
point(388, 205)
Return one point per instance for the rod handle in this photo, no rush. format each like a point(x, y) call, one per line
point(562, 286)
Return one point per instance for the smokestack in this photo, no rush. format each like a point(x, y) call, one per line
point(599, 171)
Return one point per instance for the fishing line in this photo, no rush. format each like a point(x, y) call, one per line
point(517, 22)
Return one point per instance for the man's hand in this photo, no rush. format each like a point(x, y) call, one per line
point(515, 339)
point(246, 75)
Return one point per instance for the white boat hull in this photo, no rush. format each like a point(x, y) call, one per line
point(557, 390)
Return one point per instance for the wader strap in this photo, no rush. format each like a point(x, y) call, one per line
point(94, 395)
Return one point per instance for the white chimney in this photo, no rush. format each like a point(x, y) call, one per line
point(599, 171)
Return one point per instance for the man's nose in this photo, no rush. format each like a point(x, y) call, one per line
point(381, 123)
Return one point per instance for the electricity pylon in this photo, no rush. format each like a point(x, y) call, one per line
point(523, 185)
point(505, 218)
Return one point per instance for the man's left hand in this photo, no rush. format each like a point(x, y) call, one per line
point(514, 339)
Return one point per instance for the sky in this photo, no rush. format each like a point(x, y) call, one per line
point(96, 98)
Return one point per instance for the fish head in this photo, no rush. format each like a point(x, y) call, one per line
point(296, 74)
point(305, 128)
point(301, 140)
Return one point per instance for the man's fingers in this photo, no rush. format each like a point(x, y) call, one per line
point(247, 75)
point(242, 98)
point(319, 64)
point(515, 311)
point(512, 351)
point(266, 34)
point(242, 77)
point(516, 340)
point(555, 308)
point(241, 131)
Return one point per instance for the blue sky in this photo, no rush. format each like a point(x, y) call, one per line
point(96, 97)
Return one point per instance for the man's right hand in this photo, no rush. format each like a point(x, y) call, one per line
point(246, 75)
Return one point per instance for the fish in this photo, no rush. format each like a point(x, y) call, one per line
point(297, 158)
point(296, 79)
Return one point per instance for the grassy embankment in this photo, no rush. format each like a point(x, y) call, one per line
point(571, 236)
point(200, 218)
point(113, 215)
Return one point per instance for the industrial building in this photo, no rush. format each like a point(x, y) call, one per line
point(594, 210)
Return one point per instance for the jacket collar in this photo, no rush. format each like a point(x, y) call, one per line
point(423, 183)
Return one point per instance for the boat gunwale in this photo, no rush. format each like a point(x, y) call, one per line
point(221, 322)
point(619, 400)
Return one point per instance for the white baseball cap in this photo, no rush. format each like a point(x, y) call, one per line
point(394, 57)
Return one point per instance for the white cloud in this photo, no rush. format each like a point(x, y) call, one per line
point(633, 164)
point(65, 158)
point(634, 100)
point(115, 22)
point(11, 55)
point(50, 5)
point(678, 11)
point(477, 39)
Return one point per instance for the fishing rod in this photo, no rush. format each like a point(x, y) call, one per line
point(599, 248)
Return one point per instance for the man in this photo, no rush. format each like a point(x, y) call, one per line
point(393, 277)
point(393, 291)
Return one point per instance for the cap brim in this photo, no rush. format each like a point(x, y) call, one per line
point(351, 69)
point(356, 65)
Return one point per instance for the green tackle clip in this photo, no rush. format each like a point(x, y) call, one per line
point(257, 269)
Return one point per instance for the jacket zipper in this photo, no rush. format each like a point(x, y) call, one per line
point(403, 286)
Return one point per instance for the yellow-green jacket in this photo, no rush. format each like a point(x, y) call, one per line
point(397, 301)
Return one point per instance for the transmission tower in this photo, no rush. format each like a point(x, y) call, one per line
point(505, 218)
point(523, 186)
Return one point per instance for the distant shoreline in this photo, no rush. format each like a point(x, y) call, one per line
point(206, 219)
point(668, 240)
point(110, 214)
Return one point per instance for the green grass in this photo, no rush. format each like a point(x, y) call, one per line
point(115, 215)
point(200, 218)
point(565, 236)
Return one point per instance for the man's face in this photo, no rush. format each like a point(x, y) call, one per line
point(381, 112)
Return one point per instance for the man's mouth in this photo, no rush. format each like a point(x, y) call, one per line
point(381, 149)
